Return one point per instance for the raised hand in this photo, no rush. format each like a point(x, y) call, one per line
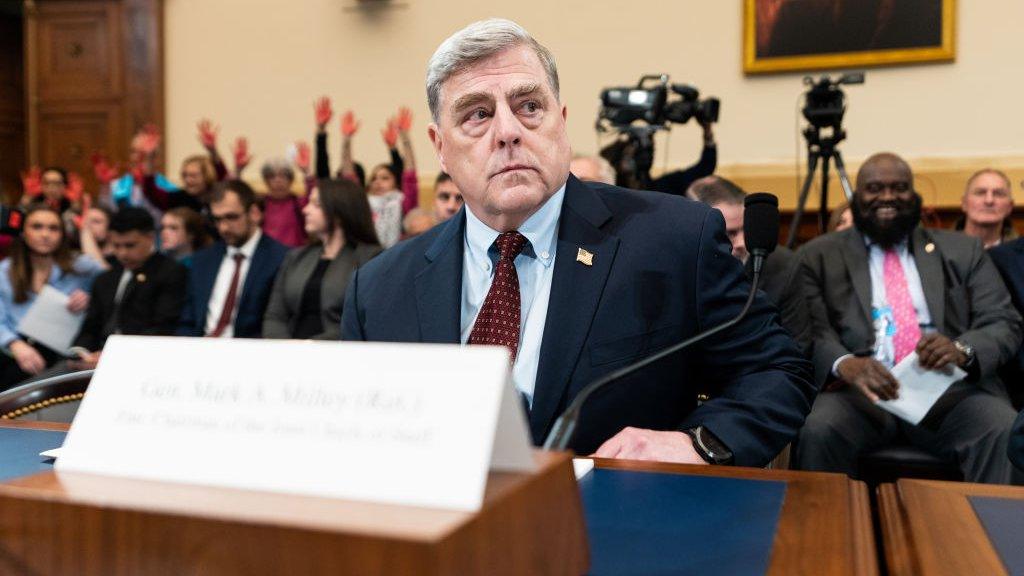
point(390, 133)
point(323, 112)
point(349, 124)
point(73, 191)
point(241, 153)
point(404, 119)
point(303, 156)
point(79, 219)
point(149, 139)
point(208, 134)
point(32, 181)
point(105, 171)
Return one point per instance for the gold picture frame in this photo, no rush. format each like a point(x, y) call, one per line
point(761, 52)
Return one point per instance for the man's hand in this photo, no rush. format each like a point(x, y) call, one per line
point(87, 361)
point(349, 124)
point(27, 357)
point(641, 444)
point(935, 352)
point(323, 112)
point(241, 154)
point(870, 377)
point(208, 134)
point(78, 301)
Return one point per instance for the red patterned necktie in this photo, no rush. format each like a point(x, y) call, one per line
point(498, 320)
point(229, 302)
point(898, 294)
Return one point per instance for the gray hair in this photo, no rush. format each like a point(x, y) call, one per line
point(476, 42)
point(715, 190)
point(275, 166)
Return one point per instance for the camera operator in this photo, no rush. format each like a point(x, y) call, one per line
point(621, 156)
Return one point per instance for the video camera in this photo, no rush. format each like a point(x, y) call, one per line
point(824, 101)
point(650, 100)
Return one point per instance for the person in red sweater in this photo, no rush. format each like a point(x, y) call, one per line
point(282, 209)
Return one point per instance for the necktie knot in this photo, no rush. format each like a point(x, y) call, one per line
point(510, 244)
point(238, 257)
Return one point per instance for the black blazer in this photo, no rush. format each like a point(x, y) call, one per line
point(1009, 259)
point(151, 304)
point(266, 260)
point(661, 271)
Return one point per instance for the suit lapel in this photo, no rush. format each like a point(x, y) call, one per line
point(439, 285)
point(576, 290)
point(211, 266)
point(856, 257)
point(929, 268)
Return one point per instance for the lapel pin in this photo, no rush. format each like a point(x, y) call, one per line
point(929, 247)
point(584, 257)
point(140, 277)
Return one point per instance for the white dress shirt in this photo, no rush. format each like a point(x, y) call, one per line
point(222, 285)
point(534, 266)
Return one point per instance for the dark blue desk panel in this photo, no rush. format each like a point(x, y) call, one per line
point(1003, 520)
point(20, 448)
point(651, 524)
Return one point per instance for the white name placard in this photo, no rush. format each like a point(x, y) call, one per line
point(409, 424)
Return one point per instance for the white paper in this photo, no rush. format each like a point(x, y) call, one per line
point(408, 424)
point(49, 321)
point(919, 389)
point(582, 467)
point(53, 453)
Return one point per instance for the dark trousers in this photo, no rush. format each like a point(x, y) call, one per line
point(967, 426)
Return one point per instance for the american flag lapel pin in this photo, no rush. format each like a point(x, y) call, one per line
point(584, 257)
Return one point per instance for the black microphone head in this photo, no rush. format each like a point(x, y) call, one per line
point(761, 222)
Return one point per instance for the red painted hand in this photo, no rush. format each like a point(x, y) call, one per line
point(349, 124)
point(323, 112)
point(303, 156)
point(404, 119)
point(105, 172)
point(390, 133)
point(75, 188)
point(208, 134)
point(149, 139)
point(32, 181)
point(241, 153)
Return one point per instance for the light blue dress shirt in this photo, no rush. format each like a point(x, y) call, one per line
point(84, 271)
point(534, 266)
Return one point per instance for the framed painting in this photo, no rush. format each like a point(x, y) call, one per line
point(794, 35)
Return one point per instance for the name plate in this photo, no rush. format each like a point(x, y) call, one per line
point(408, 424)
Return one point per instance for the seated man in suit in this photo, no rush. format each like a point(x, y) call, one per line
point(1009, 259)
point(141, 294)
point(230, 282)
point(887, 288)
point(780, 280)
point(578, 280)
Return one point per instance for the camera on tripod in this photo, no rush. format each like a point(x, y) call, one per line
point(651, 102)
point(824, 101)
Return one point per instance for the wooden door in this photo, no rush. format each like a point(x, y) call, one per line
point(12, 104)
point(95, 75)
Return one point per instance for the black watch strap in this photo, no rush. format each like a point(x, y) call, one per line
point(710, 448)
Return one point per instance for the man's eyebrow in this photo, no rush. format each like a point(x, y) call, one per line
point(468, 100)
point(522, 90)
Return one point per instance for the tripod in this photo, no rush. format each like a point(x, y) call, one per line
point(823, 149)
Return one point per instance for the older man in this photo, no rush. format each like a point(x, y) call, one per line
point(888, 288)
point(578, 280)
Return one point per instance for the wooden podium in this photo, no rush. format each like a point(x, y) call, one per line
point(89, 525)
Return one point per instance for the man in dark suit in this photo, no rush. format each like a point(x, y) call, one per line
point(883, 290)
point(142, 294)
point(230, 282)
point(578, 280)
point(1009, 260)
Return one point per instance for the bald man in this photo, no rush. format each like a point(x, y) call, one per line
point(888, 288)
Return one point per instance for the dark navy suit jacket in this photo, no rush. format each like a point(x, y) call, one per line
point(662, 271)
point(1009, 259)
point(259, 282)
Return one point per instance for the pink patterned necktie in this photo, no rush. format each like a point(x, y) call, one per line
point(896, 292)
point(498, 320)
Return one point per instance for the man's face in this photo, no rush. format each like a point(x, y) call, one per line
point(131, 248)
point(987, 200)
point(447, 200)
point(885, 206)
point(501, 136)
point(234, 223)
point(733, 214)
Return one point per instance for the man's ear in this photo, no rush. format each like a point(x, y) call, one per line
point(435, 138)
point(255, 214)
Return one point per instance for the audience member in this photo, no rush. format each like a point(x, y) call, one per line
point(622, 157)
point(987, 204)
point(282, 209)
point(230, 282)
point(841, 218)
point(888, 288)
point(592, 169)
point(310, 288)
point(1009, 259)
point(96, 226)
point(48, 186)
point(416, 222)
point(129, 189)
point(780, 275)
point(182, 233)
point(142, 294)
point(40, 257)
point(447, 198)
point(613, 274)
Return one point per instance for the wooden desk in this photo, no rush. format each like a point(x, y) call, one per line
point(825, 524)
point(930, 528)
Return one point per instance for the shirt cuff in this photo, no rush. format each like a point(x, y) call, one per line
point(835, 365)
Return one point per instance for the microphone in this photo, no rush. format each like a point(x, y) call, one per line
point(761, 231)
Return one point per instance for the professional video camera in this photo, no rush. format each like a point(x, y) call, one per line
point(621, 106)
point(824, 101)
point(651, 102)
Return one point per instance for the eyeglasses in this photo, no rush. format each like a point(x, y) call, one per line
point(229, 217)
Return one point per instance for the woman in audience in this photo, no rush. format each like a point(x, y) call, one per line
point(282, 210)
point(310, 288)
point(181, 233)
point(40, 257)
point(987, 204)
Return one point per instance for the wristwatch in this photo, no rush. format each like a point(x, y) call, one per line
point(968, 351)
point(710, 448)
